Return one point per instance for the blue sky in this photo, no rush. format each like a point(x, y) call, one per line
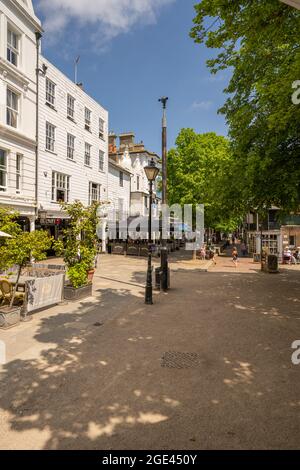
point(128, 68)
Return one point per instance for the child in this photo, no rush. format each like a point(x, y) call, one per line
point(235, 256)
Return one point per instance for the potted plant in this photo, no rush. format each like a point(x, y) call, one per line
point(79, 249)
point(18, 251)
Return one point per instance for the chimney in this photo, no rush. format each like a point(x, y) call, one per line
point(126, 139)
point(112, 142)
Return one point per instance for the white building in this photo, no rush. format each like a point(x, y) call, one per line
point(134, 157)
point(119, 186)
point(18, 25)
point(73, 147)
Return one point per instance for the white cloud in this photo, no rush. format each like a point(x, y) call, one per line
point(108, 18)
point(204, 105)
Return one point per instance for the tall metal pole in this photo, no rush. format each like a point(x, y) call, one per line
point(148, 294)
point(164, 251)
point(76, 69)
point(38, 37)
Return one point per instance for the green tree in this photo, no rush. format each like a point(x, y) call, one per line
point(79, 247)
point(22, 247)
point(199, 172)
point(259, 41)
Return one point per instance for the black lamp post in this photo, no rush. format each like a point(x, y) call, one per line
point(151, 172)
point(164, 249)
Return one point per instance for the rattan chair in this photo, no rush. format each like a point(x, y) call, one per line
point(6, 289)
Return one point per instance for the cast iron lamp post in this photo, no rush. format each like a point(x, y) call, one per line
point(163, 244)
point(151, 172)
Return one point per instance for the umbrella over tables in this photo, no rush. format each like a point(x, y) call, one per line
point(4, 235)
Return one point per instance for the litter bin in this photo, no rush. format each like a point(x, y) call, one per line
point(157, 278)
point(273, 264)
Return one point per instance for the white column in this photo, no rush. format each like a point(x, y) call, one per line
point(104, 225)
point(32, 224)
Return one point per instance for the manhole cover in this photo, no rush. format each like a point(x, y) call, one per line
point(180, 360)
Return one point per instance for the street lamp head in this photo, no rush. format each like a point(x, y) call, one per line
point(151, 171)
point(164, 100)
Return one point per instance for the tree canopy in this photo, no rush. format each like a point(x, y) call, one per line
point(259, 41)
point(199, 170)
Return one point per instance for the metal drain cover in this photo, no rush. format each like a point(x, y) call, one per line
point(180, 360)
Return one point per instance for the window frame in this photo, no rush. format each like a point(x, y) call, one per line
point(50, 88)
point(87, 154)
point(101, 160)
point(12, 113)
point(10, 48)
point(50, 138)
point(4, 170)
point(57, 179)
point(70, 99)
point(101, 128)
point(91, 190)
point(70, 148)
point(87, 119)
point(121, 179)
point(19, 173)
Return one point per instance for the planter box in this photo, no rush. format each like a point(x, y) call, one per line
point(9, 317)
point(70, 293)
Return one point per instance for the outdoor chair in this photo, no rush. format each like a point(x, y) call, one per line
point(6, 289)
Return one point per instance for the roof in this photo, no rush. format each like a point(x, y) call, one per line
point(119, 167)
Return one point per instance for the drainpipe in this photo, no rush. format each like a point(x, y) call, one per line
point(38, 37)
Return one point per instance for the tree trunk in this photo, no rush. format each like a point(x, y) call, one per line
point(16, 287)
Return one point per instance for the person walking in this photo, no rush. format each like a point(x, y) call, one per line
point(235, 256)
point(212, 256)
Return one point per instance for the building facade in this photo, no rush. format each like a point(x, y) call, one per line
point(274, 233)
point(73, 147)
point(134, 157)
point(18, 27)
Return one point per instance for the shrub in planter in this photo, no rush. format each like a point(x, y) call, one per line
point(78, 275)
point(79, 247)
point(19, 250)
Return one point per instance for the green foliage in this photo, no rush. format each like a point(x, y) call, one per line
point(8, 221)
point(77, 275)
point(78, 246)
point(22, 247)
point(199, 170)
point(259, 41)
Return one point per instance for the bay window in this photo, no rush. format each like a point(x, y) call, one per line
point(60, 187)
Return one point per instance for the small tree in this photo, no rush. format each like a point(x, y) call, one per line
point(22, 247)
point(78, 246)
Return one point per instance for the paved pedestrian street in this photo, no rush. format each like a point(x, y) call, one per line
point(208, 366)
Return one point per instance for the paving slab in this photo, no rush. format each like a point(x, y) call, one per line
point(208, 366)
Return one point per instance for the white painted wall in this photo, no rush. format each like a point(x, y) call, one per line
point(80, 174)
point(135, 163)
point(116, 192)
point(19, 16)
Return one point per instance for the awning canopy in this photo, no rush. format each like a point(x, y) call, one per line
point(4, 235)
